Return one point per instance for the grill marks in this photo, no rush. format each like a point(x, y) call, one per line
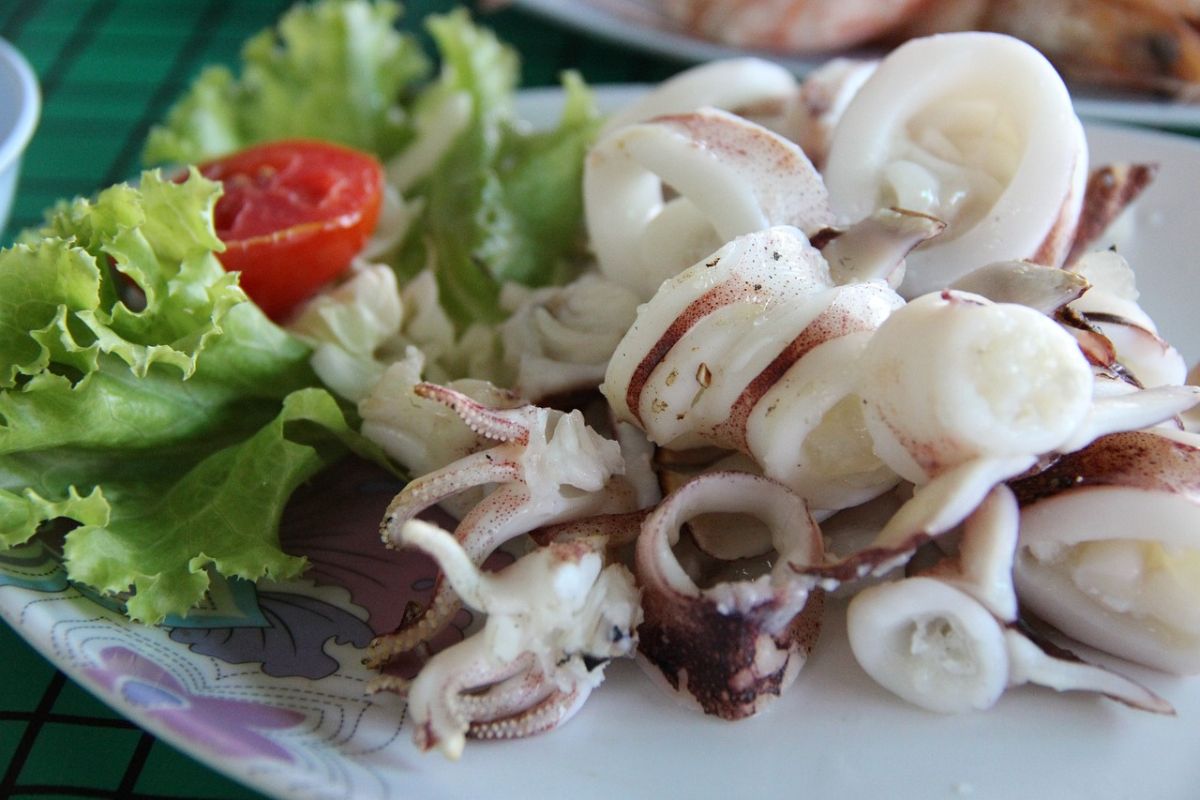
point(840, 317)
point(836, 320)
point(1136, 459)
point(1110, 190)
point(723, 294)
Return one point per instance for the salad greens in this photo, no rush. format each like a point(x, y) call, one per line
point(503, 204)
point(500, 204)
point(142, 422)
point(152, 410)
point(335, 70)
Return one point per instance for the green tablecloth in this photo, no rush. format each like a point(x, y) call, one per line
point(109, 69)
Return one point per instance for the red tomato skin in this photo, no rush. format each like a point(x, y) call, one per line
point(293, 216)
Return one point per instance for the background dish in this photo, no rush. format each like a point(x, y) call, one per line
point(641, 24)
point(309, 732)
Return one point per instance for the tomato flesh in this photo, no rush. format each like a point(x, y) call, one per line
point(293, 215)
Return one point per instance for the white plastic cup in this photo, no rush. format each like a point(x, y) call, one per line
point(20, 104)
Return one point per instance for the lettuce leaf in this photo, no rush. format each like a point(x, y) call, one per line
point(336, 70)
point(147, 402)
point(159, 523)
point(542, 175)
point(224, 512)
point(503, 204)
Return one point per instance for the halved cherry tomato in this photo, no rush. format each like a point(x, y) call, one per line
point(293, 215)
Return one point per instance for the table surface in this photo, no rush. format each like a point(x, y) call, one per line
point(109, 69)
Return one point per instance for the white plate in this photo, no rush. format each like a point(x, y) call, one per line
point(834, 734)
point(642, 24)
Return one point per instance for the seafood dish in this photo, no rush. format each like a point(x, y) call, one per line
point(634, 371)
point(919, 314)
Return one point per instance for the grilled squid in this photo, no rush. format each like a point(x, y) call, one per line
point(420, 433)
point(547, 467)
point(1110, 547)
point(946, 641)
point(824, 96)
point(987, 379)
point(730, 177)
point(1110, 305)
point(975, 129)
point(555, 342)
point(748, 350)
point(960, 393)
point(1111, 190)
point(554, 619)
point(732, 647)
point(346, 327)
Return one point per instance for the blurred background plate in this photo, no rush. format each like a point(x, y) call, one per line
point(643, 25)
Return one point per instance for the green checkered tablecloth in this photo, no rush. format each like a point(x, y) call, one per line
point(109, 69)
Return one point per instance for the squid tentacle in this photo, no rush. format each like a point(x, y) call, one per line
point(502, 425)
point(495, 465)
point(548, 633)
point(549, 467)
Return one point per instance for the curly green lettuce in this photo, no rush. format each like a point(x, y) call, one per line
point(336, 70)
point(146, 403)
point(503, 203)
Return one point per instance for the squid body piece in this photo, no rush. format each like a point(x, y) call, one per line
point(1110, 547)
point(960, 393)
point(1111, 190)
point(731, 176)
point(700, 318)
point(952, 377)
point(733, 647)
point(554, 619)
point(744, 86)
point(824, 96)
point(944, 641)
point(556, 342)
point(752, 349)
point(975, 129)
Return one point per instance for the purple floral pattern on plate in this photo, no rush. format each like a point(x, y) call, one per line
point(228, 728)
point(336, 526)
point(292, 641)
point(334, 523)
